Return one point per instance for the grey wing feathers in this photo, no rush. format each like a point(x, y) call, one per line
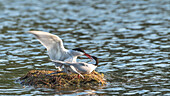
point(62, 63)
point(74, 69)
point(52, 42)
point(71, 65)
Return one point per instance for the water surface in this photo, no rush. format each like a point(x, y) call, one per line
point(130, 37)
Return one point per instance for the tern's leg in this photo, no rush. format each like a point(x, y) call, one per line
point(58, 66)
point(74, 69)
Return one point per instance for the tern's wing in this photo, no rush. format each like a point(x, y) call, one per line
point(63, 63)
point(74, 69)
point(71, 65)
point(52, 43)
point(85, 67)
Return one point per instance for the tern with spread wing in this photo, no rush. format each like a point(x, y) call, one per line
point(79, 67)
point(56, 50)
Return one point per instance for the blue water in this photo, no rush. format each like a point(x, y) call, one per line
point(130, 37)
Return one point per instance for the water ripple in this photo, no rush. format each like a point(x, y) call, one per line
point(131, 40)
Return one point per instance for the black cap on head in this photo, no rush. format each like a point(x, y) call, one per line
point(79, 49)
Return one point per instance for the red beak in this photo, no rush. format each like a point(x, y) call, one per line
point(88, 55)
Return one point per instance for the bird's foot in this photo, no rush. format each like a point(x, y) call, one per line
point(78, 76)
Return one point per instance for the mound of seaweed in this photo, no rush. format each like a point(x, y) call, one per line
point(41, 78)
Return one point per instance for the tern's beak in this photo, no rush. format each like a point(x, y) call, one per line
point(88, 56)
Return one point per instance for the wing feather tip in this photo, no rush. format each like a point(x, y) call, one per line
point(33, 31)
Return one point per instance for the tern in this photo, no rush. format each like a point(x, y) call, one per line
point(55, 48)
point(78, 67)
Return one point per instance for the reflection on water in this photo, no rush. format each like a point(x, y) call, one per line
point(131, 38)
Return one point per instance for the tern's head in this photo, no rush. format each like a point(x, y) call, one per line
point(80, 52)
point(96, 59)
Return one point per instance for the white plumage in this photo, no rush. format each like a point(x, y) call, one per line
point(55, 48)
point(79, 67)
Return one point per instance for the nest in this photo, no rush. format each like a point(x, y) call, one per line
point(42, 79)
